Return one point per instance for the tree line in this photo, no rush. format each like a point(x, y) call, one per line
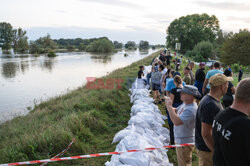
point(202, 39)
point(17, 39)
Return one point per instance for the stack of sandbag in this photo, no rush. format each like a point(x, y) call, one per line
point(144, 131)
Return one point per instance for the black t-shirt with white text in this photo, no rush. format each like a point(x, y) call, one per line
point(231, 134)
point(208, 108)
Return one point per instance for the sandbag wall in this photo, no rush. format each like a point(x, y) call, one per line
point(144, 130)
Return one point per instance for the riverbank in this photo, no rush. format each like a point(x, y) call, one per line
point(92, 116)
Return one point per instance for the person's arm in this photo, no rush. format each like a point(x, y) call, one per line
point(204, 85)
point(172, 112)
point(233, 90)
point(172, 97)
point(206, 132)
point(205, 82)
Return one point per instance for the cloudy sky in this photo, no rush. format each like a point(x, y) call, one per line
point(120, 20)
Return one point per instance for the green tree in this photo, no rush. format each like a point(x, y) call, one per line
point(117, 45)
point(143, 44)
point(202, 51)
point(45, 44)
point(236, 49)
point(20, 40)
point(192, 29)
point(6, 35)
point(34, 48)
point(102, 45)
point(71, 48)
point(82, 47)
point(130, 45)
point(22, 45)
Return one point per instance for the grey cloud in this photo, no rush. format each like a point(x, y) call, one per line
point(224, 5)
point(111, 19)
point(161, 18)
point(136, 28)
point(119, 3)
point(61, 11)
point(233, 18)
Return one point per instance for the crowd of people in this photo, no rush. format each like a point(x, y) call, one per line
point(204, 108)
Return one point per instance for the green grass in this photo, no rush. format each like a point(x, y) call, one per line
point(92, 116)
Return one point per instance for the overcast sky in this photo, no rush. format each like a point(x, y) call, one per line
point(120, 20)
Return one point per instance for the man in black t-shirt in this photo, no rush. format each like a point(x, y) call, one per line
point(231, 130)
point(140, 72)
point(168, 59)
point(162, 57)
point(209, 107)
point(200, 77)
point(240, 74)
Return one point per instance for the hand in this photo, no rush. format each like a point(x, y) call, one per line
point(168, 102)
point(203, 90)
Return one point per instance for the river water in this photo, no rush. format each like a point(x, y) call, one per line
point(25, 81)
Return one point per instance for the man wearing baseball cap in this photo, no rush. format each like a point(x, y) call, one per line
point(209, 107)
point(183, 118)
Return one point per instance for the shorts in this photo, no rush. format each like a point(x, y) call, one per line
point(155, 86)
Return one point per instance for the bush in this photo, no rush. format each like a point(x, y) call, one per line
point(71, 48)
point(130, 45)
point(143, 44)
point(117, 45)
point(236, 67)
point(51, 54)
point(202, 51)
point(82, 47)
point(102, 46)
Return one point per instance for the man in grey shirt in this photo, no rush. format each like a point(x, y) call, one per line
point(183, 118)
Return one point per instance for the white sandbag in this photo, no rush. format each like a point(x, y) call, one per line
point(144, 130)
point(138, 121)
point(134, 159)
point(123, 133)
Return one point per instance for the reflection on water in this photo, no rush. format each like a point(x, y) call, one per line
point(48, 64)
point(103, 58)
point(25, 80)
point(9, 69)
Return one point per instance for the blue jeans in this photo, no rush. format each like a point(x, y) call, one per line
point(148, 78)
point(199, 85)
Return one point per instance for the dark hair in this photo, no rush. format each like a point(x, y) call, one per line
point(167, 73)
point(140, 67)
point(169, 70)
point(177, 73)
point(178, 79)
point(216, 64)
point(227, 73)
point(172, 72)
point(186, 68)
point(161, 67)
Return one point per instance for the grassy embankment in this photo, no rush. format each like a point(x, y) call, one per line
point(93, 117)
